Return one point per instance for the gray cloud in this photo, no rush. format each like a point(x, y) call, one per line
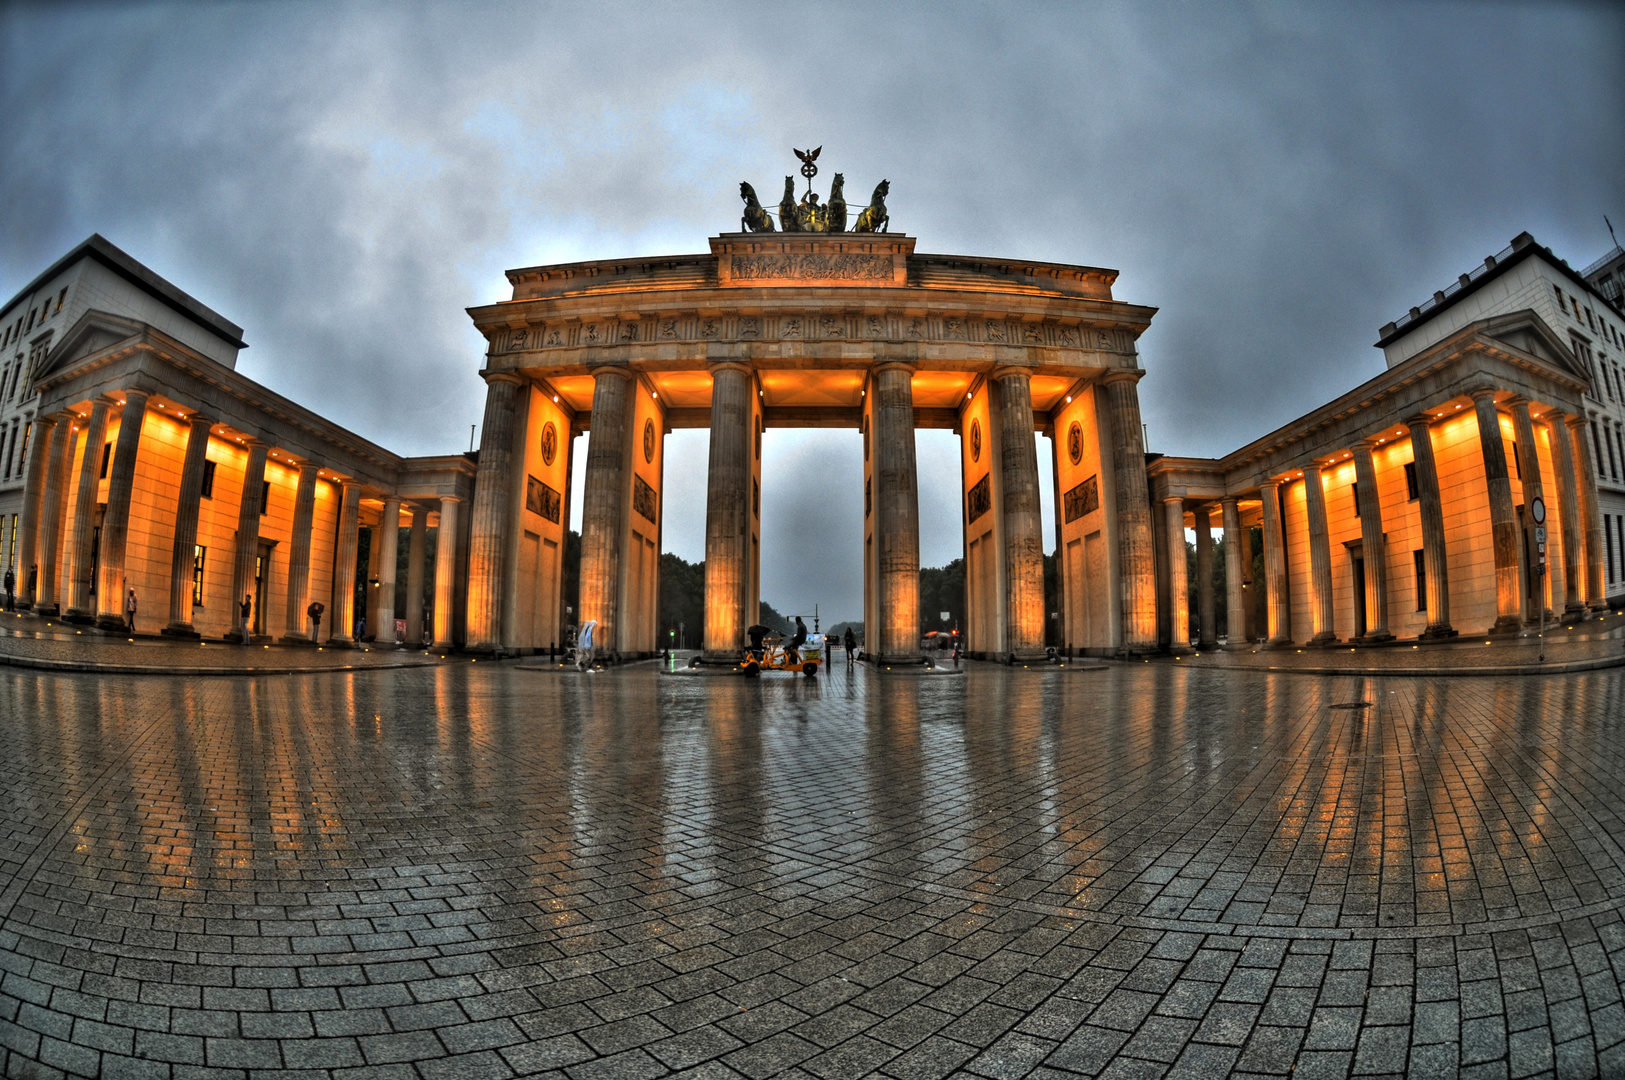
point(343, 181)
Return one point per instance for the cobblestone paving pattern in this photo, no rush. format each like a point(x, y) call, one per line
point(480, 871)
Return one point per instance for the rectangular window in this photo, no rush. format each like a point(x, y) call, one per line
point(1517, 462)
point(198, 553)
point(1613, 462)
point(1354, 490)
point(1421, 581)
point(22, 454)
point(61, 296)
point(265, 497)
point(1411, 490)
point(13, 545)
point(1596, 444)
point(208, 479)
point(1608, 543)
point(107, 458)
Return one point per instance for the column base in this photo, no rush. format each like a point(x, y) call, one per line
point(79, 617)
point(1381, 637)
point(113, 623)
point(340, 643)
point(1507, 626)
point(1573, 614)
point(1209, 644)
point(1438, 632)
point(1277, 643)
point(295, 639)
point(1026, 657)
point(899, 660)
point(443, 646)
point(1325, 637)
point(181, 630)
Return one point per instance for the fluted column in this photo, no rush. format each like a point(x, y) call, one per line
point(1136, 553)
point(186, 513)
point(40, 441)
point(415, 547)
point(1179, 603)
point(55, 510)
point(1373, 547)
point(248, 529)
point(1275, 571)
point(1586, 485)
point(727, 513)
point(1568, 512)
point(304, 515)
point(1503, 516)
point(1207, 604)
point(82, 548)
point(1435, 563)
point(1523, 426)
point(341, 631)
point(492, 512)
point(445, 572)
point(897, 514)
point(603, 506)
point(110, 579)
point(1235, 596)
point(1022, 516)
point(389, 539)
point(1320, 558)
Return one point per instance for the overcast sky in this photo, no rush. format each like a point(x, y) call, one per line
point(343, 180)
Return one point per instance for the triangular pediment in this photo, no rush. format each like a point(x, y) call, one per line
point(1529, 333)
point(95, 332)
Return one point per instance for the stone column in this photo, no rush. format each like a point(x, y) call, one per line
point(389, 539)
point(248, 529)
point(491, 512)
point(445, 572)
point(1435, 563)
point(1590, 516)
point(1373, 547)
point(116, 521)
point(1503, 517)
point(186, 513)
point(370, 589)
point(1179, 602)
point(1135, 551)
point(341, 630)
point(897, 514)
point(1320, 558)
point(727, 513)
point(33, 514)
point(1207, 605)
point(81, 605)
point(304, 516)
point(1235, 554)
point(1275, 570)
point(1523, 425)
point(55, 510)
point(603, 506)
point(1568, 512)
point(1022, 515)
point(415, 548)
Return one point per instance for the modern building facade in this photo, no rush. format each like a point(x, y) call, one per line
point(1419, 505)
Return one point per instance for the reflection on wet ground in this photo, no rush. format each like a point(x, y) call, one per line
point(466, 870)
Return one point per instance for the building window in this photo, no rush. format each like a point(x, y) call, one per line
point(61, 296)
point(12, 546)
point(107, 458)
point(1421, 580)
point(1608, 543)
point(265, 496)
point(1596, 444)
point(22, 454)
point(1354, 491)
point(1613, 462)
point(1411, 490)
point(208, 479)
point(198, 554)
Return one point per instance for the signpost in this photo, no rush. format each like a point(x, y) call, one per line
point(1537, 511)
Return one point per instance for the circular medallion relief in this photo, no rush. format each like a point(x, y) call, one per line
point(976, 440)
point(550, 442)
point(649, 441)
point(1074, 442)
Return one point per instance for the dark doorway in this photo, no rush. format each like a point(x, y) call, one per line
point(262, 575)
point(1359, 596)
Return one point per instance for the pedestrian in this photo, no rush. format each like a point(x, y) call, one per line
point(11, 589)
point(361, 628)
point(129, 609)
point(315, 612)
point(584, 645)
point(247, 609)
point(851, 643)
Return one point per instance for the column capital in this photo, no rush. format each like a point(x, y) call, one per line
point(197, 418)
point(137, 395)
point(620, 371)
point(894, 365)
point(1229, 500)
point(1371, 442)
point(510, 377)
point(1272, 483)
point(1479, 393)
point(1005, 371)
point(1168, 500)
point(1312, 467)
point(1117, 375)
point(715, 366)
point(1420, 420)
point(1515, 400)
point(451, 499)
point(1575, 423)
point(109, 398)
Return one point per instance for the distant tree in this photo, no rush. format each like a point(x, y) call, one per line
point(682, 601)
point(942, 588)
point(1221, 601)
point(572, 578)
point(771, 619)
point(838, 630)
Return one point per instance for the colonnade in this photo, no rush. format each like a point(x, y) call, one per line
point(101, 553)
point(1574, 550)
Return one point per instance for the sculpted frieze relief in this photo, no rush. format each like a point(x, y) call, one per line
point(809, 326)
point(813, 266)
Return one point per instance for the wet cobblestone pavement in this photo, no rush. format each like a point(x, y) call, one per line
point(468, 871)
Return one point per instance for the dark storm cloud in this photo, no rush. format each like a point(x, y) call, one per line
point(343, 181)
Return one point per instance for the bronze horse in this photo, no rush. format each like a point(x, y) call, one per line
point(874, 217)
point(835, 209)
point(787, 207)
point(756, 219)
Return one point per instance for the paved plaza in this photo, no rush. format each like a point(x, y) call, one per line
point(1146, 870)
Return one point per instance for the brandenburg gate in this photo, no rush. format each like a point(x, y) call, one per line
point(807, 325)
